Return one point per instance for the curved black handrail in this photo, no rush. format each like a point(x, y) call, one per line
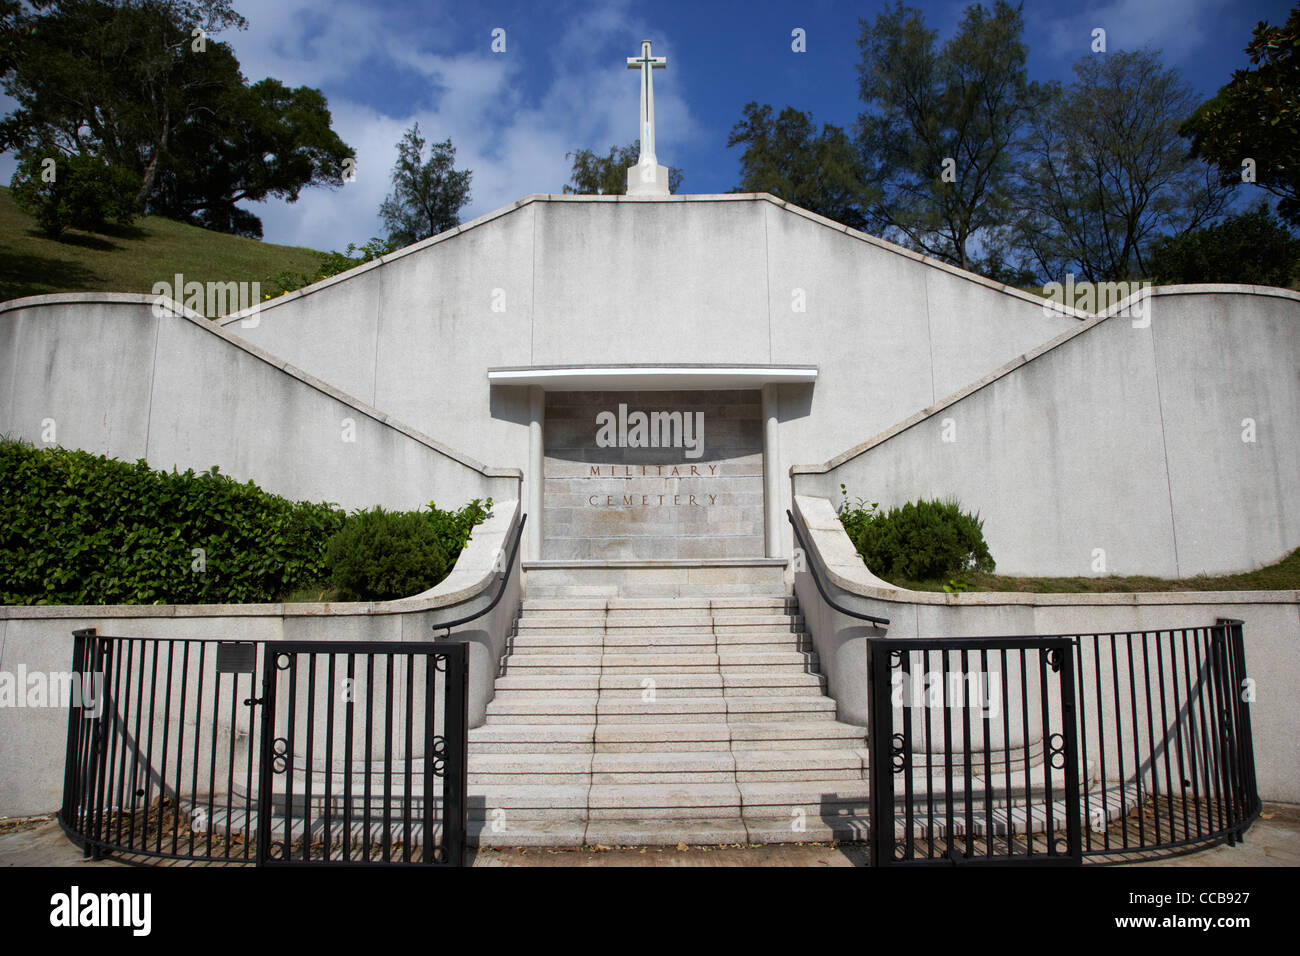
point(505, 578)
point(812, 569)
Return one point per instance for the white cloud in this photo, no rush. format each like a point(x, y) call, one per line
point(1173, 26)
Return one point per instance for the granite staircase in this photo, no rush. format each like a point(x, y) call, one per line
point(627, 721)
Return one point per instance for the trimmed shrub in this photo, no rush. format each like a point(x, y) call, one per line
point(77, 528)
point(922, 540)
point(86, 193)
point(382, 555)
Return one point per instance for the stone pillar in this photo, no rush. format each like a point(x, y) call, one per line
point(772, 484)
point(534, 478)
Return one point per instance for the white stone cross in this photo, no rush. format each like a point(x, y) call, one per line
point(647, 177)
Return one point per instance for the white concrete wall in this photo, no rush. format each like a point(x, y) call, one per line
point(1119, 438)
point(38, 640)
point(592, 280)
point(1271, 631)
point(178, 391)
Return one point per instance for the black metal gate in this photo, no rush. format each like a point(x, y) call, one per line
point(363, 753)
point(353, 753)
point(974, 753)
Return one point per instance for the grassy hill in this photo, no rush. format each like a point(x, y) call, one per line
point(132, 259)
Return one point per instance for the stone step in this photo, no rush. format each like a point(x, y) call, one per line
point(656, 620)
point(654, 580)
point(545, 768)
point(532, 739)
point(634, 644)
point(663, 768)
point(839, 763)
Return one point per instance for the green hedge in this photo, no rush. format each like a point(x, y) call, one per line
point(921, 541)
point(383, 555)
point(77, 528)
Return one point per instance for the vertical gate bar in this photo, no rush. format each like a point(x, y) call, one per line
point(1179, 722)
point(1164, 740)
point(1006, 752)
point(166, 741)
point(122, 714)
point(428, 845)
point(198, 733)
point(331, 692)
point(348, 715)
point(103, 727)
point(967, 763)
point(929, 763)
point(1101, 743)
point(1232, 761)
point(455, 781)
point(1206, 734)
point(230, 764)
point(309, 764)
point(291, 738)
point(1024, 724)
point(988, 755)
point(909, 813)
point(1139, 777)
point(1049, 792)
point(370, 737)
point(879, 762)
point(1252, 783)
point(1068, 730)
point(266, 756)
point(1235, 688)
point(1213, 647)
point(72, 743)
point(1119, 740)
point(1193, 742)
point(148, 756)
point(407, 795)
point(130, 781)
point(250, 836)
point(947, 761)
point(388, 759)
point(212, 757)
point(1082, 716)
point(1151, 736)
point(1244, 729)
point(180, 746)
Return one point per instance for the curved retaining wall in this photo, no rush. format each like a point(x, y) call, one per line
point(1271, 628)
point(36, 642)
point(108, 375)
point(1167, 445)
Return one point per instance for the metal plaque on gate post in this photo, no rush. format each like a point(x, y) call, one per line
point(236, 657)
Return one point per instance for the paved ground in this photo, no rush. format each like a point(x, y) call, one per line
point(1274, 840)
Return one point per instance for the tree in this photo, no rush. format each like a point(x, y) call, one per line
point(938, 137)
point(788, 158)
point(427, 194)
point(1106, 174)
point(143, 85)
point(1253, 248)
point(1257, 117)
point(596, 175)
point(73, 191)
point(267, 140)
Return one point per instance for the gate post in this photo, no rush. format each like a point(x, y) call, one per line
point(455, 783)
point(880, 719)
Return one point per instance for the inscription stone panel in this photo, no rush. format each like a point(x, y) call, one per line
point(653, 475)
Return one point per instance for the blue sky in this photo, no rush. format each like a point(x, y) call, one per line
point(562, 83)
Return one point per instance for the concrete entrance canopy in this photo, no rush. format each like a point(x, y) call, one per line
point(652, 377)
point(540, 379)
